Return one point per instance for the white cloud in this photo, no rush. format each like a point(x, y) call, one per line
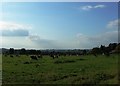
point(14, 29)
point(99, 6)
point(89, 7)
point(35, 41)
point(34, 37)
point(113, 24)
point(12, 26)
point(86, 41)
point(43, 43)
point(86, 8)
point(17, 42)
point(81, 41)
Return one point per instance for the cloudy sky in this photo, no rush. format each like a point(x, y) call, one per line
point(58, 25)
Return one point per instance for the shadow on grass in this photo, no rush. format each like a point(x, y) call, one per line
point(81, 59)
point(63, 61)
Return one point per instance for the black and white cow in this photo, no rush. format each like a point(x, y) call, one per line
point(33, 57)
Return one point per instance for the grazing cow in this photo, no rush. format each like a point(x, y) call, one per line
point(39, 56)
point(11, 55)
point(17, 55)
point(77, 55)
point(54, 56)
point(95, 55)
point(34, 57)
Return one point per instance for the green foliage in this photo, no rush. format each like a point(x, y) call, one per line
point(96, 50)
point(63, 70)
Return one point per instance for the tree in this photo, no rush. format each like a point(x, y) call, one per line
point(112, 46)
point(96, 51)
point(38, 52)
point(102, 49)
point(11, 50)
point(84, 52)
point(107, 51)
point(23, 51)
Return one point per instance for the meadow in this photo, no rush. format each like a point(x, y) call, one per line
point(86, 69)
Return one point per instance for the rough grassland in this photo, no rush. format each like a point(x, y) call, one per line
point(64, 70)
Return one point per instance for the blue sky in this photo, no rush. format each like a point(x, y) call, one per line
point(43, 25)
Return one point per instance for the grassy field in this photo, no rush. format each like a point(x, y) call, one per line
point(63, 70)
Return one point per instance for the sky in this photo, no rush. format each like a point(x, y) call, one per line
point(58, 25)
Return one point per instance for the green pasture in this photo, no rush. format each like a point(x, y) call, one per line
point(63, 70)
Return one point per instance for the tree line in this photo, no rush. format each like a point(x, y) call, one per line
point(106, 50)
point(112, 48)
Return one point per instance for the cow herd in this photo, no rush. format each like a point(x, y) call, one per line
point(53, 55)
point(36, 57)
